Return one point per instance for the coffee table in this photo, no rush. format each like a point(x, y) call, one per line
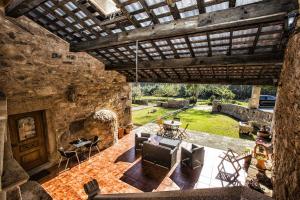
point(169, 143)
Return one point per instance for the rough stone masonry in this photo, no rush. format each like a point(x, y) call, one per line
point(37, 72)
point(286, 125)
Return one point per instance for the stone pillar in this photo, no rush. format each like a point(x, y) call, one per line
point(286, 125)
point(254, 100)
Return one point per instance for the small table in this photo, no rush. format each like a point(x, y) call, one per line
point(79, 144)
point(169, 143)
point(171, 126)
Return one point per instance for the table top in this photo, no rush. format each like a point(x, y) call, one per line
point(170, 142)
point(82, 143)
point(172, 123)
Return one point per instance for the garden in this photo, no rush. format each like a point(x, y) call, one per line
point(199, 120)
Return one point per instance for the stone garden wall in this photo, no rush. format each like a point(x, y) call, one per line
point(37, 72)
point(242, 113)
point(174, 104)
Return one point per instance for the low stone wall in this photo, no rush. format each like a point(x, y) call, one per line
point(174, 104)
point(140, 102)
point(243, 113)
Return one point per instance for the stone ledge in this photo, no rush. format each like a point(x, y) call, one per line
point(29, 191)
point(13, 175)
point(228, 193)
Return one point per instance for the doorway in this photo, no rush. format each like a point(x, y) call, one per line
point(28, 139)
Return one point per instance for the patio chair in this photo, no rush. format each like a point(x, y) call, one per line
point(160, 123)
point(232, 158)
point(182, 133)
point(92, 188)
point(193, 157)
point(93, 144)
point(176, 119)
point(68, 155)
point(139, 139)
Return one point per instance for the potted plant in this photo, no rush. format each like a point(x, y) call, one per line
point(120, 132)
point(128, 128)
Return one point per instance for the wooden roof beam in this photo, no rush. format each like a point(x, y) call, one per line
point(206, 80)
point(238, 60)
point(17, 8)
point(232, 3)
point(261, 12)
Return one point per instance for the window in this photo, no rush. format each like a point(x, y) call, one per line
point(26, 128)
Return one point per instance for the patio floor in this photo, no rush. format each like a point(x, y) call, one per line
point(119, 170)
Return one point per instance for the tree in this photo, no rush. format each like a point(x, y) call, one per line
point(194, 90)
point(167, 90)
point(136, 91)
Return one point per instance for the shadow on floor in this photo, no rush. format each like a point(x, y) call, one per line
point(144, 176)
point(50, 173)
point(185, 177)
point(223, 178)
point(247, 137)
point(129, 156)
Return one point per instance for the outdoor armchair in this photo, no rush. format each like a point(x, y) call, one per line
point(193, 157)
point(139, 139)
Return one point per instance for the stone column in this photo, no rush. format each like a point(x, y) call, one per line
point(286, 125)
point(254, 100)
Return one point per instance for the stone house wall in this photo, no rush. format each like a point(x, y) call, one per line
point(242, 113)
point(37, 72)
point(286, 125)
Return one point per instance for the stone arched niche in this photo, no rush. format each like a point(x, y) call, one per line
point(102, 123)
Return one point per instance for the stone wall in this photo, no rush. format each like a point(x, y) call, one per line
point(242, 113)
point(37, 72)
point(174, 104)
point(3, 132)
point(286, 126)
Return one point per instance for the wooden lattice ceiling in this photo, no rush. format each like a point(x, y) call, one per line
point(204, 41)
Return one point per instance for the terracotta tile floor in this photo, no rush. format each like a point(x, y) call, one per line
point(119, 170)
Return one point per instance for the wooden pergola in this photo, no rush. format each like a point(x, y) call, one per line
point(179, 41)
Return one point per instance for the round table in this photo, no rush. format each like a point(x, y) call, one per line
point(170, 127)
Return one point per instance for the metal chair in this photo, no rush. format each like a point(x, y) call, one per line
point(94, 143)
point(182, 133)
point(176, 119)
point(68, 155)
point(160, 123)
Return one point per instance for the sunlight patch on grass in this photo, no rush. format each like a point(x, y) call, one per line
point(141, 117)
point(205, 121)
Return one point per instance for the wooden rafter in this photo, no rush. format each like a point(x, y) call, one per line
point(17, 8)
point(266, 11)
point(237, 60)
point(232, 3)
point(129, 17)
point(201, 7)
point(174, 10)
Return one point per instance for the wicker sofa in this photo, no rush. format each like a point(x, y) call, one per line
point(159, 154)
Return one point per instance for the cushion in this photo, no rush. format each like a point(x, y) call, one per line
point(145, 135)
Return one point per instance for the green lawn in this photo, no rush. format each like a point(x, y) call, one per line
point(203, 121)
point(141, 117)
